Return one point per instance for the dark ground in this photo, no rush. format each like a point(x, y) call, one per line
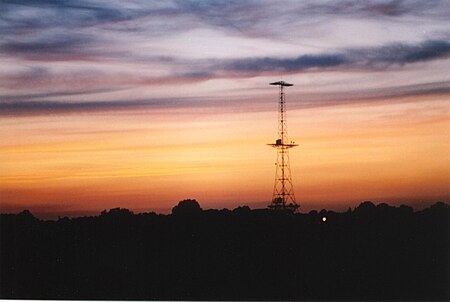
point(381, 253)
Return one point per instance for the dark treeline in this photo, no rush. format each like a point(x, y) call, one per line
point(370, 252)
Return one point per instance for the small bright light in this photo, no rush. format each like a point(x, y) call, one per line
point(324, 219)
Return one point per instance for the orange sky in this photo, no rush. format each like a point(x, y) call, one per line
point(391, 150)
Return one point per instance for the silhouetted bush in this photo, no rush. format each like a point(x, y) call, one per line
point(366, 207)
point(187, 207)
point(116, 213)
point(242, 210)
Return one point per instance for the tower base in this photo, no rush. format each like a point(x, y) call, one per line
point(278, 204)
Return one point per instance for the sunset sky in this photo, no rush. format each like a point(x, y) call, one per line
point(140, 104)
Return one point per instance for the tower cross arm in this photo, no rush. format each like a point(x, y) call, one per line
point(277, 144)
point(281, 83)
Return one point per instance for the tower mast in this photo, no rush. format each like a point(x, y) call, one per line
point(283, 197)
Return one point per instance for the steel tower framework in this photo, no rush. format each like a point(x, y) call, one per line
point(283, 197)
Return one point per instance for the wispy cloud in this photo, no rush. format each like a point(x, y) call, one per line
point(45, 28)
point(56, 47)
point(16, 107)
point(51, 107)
point(263, 18)
point(56, 94)
point(189, 70)
point(364, 58)
point(374, 8)
point(30, 15)
point(363, 96)
point(118, 46)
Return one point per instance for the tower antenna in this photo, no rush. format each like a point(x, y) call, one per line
point(283, 197)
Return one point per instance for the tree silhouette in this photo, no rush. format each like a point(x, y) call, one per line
point(187, 207)
point(371, 253)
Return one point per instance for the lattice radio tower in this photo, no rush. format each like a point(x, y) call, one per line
point(283, 197)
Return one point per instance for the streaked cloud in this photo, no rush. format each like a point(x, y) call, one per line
point(63, 46)
point(199, 70)
point(364, 58)
point(40, 29)
point(20, 107)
